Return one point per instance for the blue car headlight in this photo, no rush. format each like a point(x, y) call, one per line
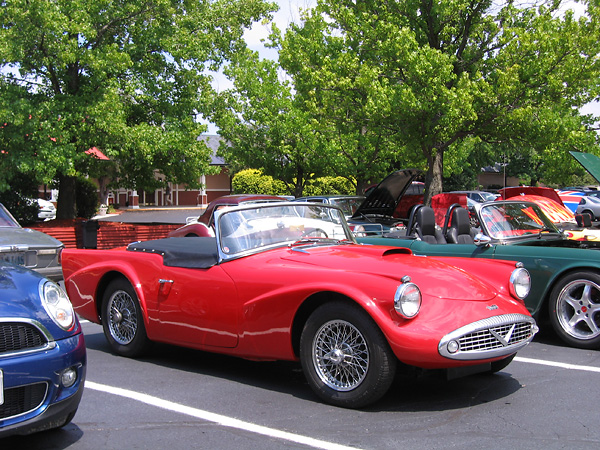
point(57, 304)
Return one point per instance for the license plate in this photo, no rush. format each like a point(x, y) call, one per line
point(15, 258)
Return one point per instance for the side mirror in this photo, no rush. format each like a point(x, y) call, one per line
point(482, 240)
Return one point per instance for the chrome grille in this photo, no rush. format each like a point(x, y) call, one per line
point(22, 399)
point(486, 340)
point(19, 336)
point(489, 338)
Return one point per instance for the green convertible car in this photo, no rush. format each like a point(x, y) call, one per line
point(565, 274)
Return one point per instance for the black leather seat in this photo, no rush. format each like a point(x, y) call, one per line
point(425, 226)
point(459, 231)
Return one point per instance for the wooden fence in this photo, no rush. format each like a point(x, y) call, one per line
point(80, 233)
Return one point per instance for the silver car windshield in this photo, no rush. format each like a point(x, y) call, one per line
point(507, 220)
point(243, 230)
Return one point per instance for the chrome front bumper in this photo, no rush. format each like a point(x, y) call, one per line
point(489, 338)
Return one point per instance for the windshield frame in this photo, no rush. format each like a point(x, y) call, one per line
point(494, 223)
point(248, 229)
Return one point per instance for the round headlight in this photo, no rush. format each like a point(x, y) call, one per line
point(407, 300)
point(520, 283)
point(57, 304)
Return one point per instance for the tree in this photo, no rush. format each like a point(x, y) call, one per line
point(421, 77)
point(264, 127)
point(127, 77)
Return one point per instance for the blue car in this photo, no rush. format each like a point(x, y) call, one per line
point(42, 353)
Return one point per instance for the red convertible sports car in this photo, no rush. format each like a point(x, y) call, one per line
point(287, 281)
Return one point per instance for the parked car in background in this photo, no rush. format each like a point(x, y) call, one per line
point(204, 225)
point(47, 209)
point(386, 205)
point(287, 281)
point(478, 196)
point(589, 205)
point(565, 273)
point(574, 226)
point(29, 248)
point(42, 353)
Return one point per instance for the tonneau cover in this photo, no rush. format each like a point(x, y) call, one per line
point(188, 252)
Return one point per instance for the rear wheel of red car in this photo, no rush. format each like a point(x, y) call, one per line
point(122, 320)
point(575, 309)
point(345, 357)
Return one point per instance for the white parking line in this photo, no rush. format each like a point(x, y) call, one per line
point(558, 364)
point(215, 418)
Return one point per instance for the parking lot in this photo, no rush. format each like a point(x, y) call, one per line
point(179, 398)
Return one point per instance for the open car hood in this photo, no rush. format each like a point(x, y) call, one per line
point(385, 197)
point(590, 162)
point(515, 191)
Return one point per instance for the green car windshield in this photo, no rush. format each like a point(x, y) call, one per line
point(513, 219)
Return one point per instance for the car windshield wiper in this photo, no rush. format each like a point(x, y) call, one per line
point(546, 229)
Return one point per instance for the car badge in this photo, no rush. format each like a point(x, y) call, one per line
point(504, 340)
point(492, 307)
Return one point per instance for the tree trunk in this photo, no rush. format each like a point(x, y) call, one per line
point(435, 171)
point(66, 207)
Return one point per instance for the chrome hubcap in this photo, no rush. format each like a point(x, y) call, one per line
point(122, 317)
point(340, 355)
point(578, 309)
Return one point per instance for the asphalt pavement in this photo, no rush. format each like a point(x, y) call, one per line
point(148, 214)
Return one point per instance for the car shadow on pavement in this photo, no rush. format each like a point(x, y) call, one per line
point(422, 391)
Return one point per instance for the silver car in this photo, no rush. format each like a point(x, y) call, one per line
point(29, 248)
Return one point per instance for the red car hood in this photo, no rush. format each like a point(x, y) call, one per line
point(434, 278)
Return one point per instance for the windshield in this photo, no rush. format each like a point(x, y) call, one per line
point(243, 229)
point(512, 219)
point(348, 205)
point(6, 218)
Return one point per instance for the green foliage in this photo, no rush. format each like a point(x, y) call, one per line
point(18, 200)
point(418, 78)
point(329, 186)
point(253, 181)
point(86, 198)
point(127, 77)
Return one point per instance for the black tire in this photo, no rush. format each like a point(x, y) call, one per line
point(122, 320)
point(497, 366)
point(587, 211)
point(575, 309)
point(355, 370)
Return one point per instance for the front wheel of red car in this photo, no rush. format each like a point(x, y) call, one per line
point(345, 357)
point(575, 309)
point(122, 320)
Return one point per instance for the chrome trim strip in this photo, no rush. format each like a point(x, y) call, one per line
point(41, 328)
point(488, 325)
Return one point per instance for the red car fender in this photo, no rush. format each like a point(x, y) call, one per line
point(496, 276)
point(86, 276)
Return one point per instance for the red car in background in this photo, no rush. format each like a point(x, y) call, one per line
point(204, 225)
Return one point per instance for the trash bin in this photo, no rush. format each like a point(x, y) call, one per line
point(89, 233)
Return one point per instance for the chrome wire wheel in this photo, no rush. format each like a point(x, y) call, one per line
point(340, 355)
point(122, 317)
point(578, 309)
